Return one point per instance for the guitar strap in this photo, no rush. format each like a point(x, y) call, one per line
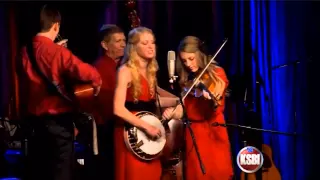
point(53, 87)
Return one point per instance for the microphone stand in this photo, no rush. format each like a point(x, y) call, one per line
point(294, 64)
point(187, 124)
point(254, 129)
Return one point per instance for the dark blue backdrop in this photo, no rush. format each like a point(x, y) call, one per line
point(279, 34)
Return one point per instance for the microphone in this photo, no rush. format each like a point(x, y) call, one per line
point(171, 66)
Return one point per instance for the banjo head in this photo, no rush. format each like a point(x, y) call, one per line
point(152, 147)
point(140, 143)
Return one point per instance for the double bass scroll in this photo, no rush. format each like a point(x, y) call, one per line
point(132, 14)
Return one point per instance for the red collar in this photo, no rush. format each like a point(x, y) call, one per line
point(42, 38)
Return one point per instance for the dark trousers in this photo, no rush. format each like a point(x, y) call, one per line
point(104, 161)
point(51, 148)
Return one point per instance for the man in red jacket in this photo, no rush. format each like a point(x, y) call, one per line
point(113, 42)
point(51, 146)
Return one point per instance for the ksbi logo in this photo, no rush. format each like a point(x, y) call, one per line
point(249, 159)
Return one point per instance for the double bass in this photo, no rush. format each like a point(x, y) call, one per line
point(171, 154)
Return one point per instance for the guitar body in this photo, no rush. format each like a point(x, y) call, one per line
point(269, 170)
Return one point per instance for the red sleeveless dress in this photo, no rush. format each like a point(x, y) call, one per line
point(213, 142)
point(127, 165)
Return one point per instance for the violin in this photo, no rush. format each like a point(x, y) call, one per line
point(203, 81)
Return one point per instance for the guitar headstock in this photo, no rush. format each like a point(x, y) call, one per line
point(132, 13)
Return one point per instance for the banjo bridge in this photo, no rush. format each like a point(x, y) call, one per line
point(139, 144)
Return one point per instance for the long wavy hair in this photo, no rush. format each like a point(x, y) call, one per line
point(132, 60)
point(192, 44)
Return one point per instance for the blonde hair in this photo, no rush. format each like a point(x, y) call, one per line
point(192, 44)
point(131, 60)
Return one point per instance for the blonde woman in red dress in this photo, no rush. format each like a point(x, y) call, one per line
point(136, 91)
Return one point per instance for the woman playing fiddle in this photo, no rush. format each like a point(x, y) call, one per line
point(203, 107)
point(136, 91)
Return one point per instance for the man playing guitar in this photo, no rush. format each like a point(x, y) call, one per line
point(51, 117)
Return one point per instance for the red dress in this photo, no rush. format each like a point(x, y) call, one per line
point(213, 142)
point(127, 165)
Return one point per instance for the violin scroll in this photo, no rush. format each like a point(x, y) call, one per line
point(132, 14)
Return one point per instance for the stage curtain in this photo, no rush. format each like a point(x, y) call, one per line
point(7, 94)
point(277, 38)
point(15, 98)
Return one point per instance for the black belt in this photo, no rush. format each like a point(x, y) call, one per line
point(141, 106)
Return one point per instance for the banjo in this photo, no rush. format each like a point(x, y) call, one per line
point(141, 144)
point(146, 148)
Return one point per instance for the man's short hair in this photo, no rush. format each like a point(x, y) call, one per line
point(107, 30)
point(48, 16)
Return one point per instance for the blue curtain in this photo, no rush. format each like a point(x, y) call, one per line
point(277, 29)
point(236, 69)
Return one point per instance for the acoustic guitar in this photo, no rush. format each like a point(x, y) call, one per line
point(77, 90)
point(269, 170)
